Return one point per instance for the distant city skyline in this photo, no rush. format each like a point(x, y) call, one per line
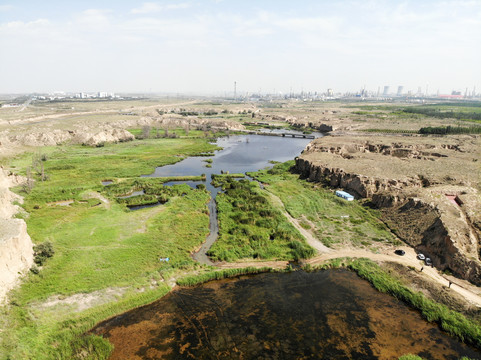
point(203, 47)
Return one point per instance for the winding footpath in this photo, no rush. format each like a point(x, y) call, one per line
point(471, 293)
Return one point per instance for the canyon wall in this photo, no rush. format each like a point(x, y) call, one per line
point(414, 207)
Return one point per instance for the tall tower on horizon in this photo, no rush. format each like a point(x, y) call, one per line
point(386, 90)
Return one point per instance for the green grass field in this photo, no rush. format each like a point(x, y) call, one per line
point(334, 220)
point(101, 248)
point(251, 227)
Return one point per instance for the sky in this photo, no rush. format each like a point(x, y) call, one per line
point(204, 46)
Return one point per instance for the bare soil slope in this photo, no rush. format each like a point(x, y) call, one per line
point(427, 189)
point(16, 253)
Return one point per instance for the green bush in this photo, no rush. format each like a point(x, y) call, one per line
point(42, 252)
point(410, 357)
point(251, 227)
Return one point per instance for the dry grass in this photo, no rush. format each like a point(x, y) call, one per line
point(426, 156)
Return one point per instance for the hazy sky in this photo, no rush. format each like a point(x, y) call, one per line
point(204, 46)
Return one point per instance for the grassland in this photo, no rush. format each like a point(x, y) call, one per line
point(102, 250)
point(74, 169)
point(107, 258)
point(334, 221)
point(410, 119)
point(251, 227)
point(459, 111)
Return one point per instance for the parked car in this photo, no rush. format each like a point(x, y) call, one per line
point(428, 261)
point(399, 252)
point(421, 256)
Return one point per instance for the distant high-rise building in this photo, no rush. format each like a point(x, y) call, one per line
point(400, 90)
point(386, 90)
point(330, 92)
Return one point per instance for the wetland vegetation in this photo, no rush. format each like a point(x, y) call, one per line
point(250, 227)
point(104, 259)
point(98, 245)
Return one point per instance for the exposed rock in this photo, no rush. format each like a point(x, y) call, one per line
point(109, 132)
point(101, 137)
point(16, 248)
point(413, 203)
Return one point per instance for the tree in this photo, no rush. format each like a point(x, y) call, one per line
point(146, 131)
point(28, 184)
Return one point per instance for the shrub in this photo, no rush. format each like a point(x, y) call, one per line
point(42, 252)
point(410, 357)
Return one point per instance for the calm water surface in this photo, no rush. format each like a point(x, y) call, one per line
point(322, 315)
point(240, 154)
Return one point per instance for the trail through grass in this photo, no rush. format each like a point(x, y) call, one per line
point(336, 221)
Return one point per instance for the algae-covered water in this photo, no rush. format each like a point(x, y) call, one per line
point(321, 315)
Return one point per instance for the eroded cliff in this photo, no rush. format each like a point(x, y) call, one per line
point(426, 190)
point(16, 248)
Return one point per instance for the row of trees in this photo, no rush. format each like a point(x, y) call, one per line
point(444, 130)
point(437, 113)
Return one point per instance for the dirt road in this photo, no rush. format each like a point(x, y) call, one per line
point(471, 293)
point(310, 239)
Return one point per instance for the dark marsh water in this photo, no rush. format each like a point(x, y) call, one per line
point(321, 315)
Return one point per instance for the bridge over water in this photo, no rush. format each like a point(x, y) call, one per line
point(286, 134)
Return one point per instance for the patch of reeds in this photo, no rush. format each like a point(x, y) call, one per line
point(221, 274)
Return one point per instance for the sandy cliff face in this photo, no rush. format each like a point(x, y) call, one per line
point(16, 253)
point(111, 132)
point(415, 206)
point(85, 136)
